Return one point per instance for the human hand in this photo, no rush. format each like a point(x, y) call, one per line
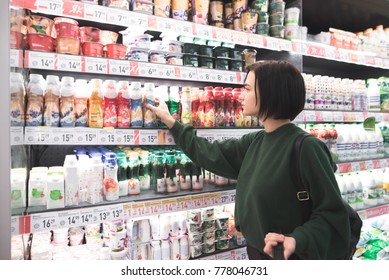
point(162, 111)
point(271, 240)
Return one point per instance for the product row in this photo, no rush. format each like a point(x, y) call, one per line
point(351, 142)
point(180, 236)
point(69, 103)
point(95, 174)
point(364, 189)
point(374, 240)
point(330, 93)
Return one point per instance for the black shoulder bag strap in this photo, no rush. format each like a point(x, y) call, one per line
point(302, 191)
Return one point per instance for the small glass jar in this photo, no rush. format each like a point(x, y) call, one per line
point(249, 56)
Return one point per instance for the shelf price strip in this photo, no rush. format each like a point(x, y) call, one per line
point(125, 136)
point(86, 136)
point(102, 214)
point(64, 136)
point(16, 58)
point(44, 222)
point(36, 135)
point(16, 136)
point(169, 205)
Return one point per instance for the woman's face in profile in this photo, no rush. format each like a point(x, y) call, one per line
point(249, 103)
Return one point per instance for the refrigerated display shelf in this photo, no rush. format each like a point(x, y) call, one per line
point(125, 18)
point(374, 211)
point(319, 116)
point(38, 218)
point(361, 165)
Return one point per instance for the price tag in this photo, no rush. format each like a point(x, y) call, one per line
point(210, 137)
point(35, 135)
point(169, 139)
point(69, 218)
point(69, 63)
point(376, 164)
point(86, 216)
point(327, 116)
point(64, 136)
point(101, 214)
point(214, 199)
point(119, 67)
point(330, 53)
point(369, 164)
point(184, 203)
point(383, 163)
point(378, 62)
point(310, 116)
point(187, 73)
point(125, 136)
point(138, 209)
point(16, 135)
point(150, 70)
point(96, 65)
point(149, 137)
point(296, 46)
point(241, 254)
point(184, 28)
point(15, 225)
point(355, 167)
point(116, 211)
point(86, 136)
point(286, 45)
point(204, 31)
point(379, 117)
point(49, 6)
point(166, 71)
point(231, 196)
point(204, 74)
point(222, 34)
point(153, 207)
point(138, 20)
point(238, 37)
point(343, 55)
point(95, 13)
point(344, 167)
point(361, 59)
point(255, 40)
point(370, 60)
point(353, 57)
point(224, 256)
point(127, 207)
point(40, 60)
point(166, 24)
point(338, 116)
point(106, 137)
point(169, 205)
point(16, 58)
point(319, 116)
point(273, 43)
point(197, 201)
point(118, 17)
point(377, 211)
point(44, 221)
point(359, 116)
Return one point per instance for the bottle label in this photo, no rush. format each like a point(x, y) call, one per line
point(136, 113)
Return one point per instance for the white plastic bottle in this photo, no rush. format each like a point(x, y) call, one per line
point(369, 189)
point(348, 143)
point(340, 143)
point(52, 94)
point(174, 248)
point(66, 108)
point(111, 185)
point(84, 174)
point(373, 95)
point(37, 188)
point(184, 248)
point(156, 251)
point(378, 175)
point(144, 230)
point(342, 186)
point(149, 117)
point(385, 182)
point(358, 190)
point(155, 230)
point(71, 180)
point(55, 190)
point(372, 145)
point(351, 191)
point(355, 142)
point(165, 248)
point(136, 105)
point(363, 144)
point(81, 103)
point(380, 143)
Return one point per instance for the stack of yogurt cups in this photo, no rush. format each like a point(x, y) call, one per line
point(276, 18)
point(292, 28)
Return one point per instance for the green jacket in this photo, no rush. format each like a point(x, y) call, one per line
point(265, 194)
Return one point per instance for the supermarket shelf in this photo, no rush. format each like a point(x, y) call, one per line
point(124, 18)
point(309, 116)
point(16, 58)
point(232, 253)
point(102, 136)
point(97, 65)
point(374, 211)
point(89, 214)
point(362, 165)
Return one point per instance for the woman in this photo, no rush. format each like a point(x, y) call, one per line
point(267, 211)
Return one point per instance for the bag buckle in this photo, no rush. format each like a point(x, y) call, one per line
point(303, 195)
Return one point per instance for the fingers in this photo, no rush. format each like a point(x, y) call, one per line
point(268, 249)
point(272, 239)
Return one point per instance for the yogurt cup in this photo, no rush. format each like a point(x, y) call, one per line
point(117, 240)
point(292, 16)
point(239, 6)
point(216, 10)
point(249, 21)
point(162, 8)
point(60, 235)
point(119, 255)
point(180, 9)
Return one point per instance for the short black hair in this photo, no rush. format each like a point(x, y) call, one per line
point(280, 87)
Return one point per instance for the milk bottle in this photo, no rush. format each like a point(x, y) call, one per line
point(111, 186)
point(385, 181)
point(373, 95)
point(35, 91)
point(363, 144)
point(165, 247)
point(351, 192)
point(378, 175)
point(37, 188)
point(156, 250)
point(66, 108)
point(55, 190)
point(184, 248)
point(136, 105)
point(96, 110)
point(84, 174)
point(51, 112)
point(186, 104)
point(174, 102)
point(110, 99)
point(342, 186)
point(123, 108)
point(81, 103)
point(18, 188)
point(369, 189)
point(358, 190)
point(96, 187)
point(17, 91)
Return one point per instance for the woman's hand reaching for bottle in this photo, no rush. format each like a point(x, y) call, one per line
point(162, 112)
